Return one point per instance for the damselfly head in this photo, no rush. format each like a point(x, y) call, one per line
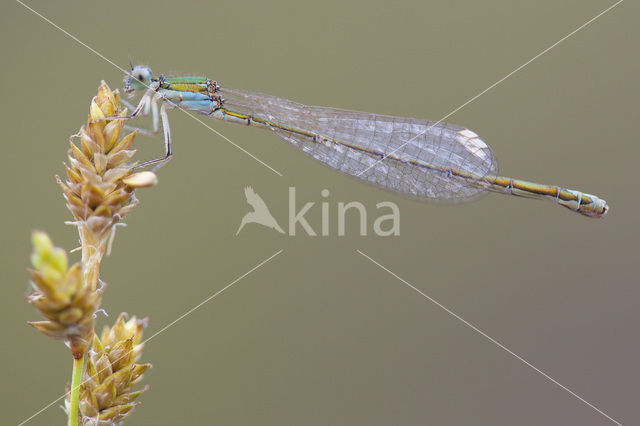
point(138, 79)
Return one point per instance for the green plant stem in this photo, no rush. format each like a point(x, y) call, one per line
point(76, 377)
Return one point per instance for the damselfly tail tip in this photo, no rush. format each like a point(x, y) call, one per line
point(597, 209)
point(605, 209)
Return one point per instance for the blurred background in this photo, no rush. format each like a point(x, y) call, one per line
point(320, 334)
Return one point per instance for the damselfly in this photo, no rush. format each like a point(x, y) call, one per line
point(425, 159)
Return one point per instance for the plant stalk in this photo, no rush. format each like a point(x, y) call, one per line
point(76, 377)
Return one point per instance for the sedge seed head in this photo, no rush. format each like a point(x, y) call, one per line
point(61, 297)
point(107, 393)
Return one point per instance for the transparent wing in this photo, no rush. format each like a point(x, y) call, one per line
point(420, 153)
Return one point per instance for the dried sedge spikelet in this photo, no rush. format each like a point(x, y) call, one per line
point(111, 373)
point(100, 184)
point(61, 297)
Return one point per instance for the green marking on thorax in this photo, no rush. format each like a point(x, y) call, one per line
point(186, 80)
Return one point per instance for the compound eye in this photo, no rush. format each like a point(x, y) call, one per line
point(142, 74)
